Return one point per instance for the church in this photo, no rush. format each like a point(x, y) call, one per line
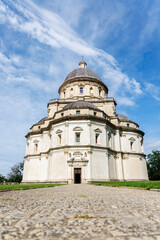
point(83, 139)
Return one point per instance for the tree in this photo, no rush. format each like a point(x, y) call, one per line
point(2, 178)
point(153, 165)
point(16, 173)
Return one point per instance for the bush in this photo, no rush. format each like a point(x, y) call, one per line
point(153, 165)
point(16, 173)
point(2, 179)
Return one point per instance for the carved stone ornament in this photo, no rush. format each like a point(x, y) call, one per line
point(73, 162)
point(35, 141)
point(125, 156)
point(90, 152)
point(77, 154)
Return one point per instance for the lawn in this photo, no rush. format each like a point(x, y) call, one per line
point(136, 184)
point(26, 186)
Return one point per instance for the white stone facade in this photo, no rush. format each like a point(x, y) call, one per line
point(83, 139)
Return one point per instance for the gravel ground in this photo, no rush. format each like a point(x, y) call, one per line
point(80, 212)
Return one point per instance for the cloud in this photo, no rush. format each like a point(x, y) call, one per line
point(50, 29)
point(152, 22)
point(151, 143)
point(125, 101)
point(153, 90)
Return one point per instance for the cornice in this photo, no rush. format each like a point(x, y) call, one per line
point(84, 79)
point(85, 117)
point(90, 147)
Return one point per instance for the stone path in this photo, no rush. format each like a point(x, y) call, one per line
point(80, 212)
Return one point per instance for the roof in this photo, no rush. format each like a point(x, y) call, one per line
point(82, 73)
point(123, 117)
point(79, 105)
point(42, 120)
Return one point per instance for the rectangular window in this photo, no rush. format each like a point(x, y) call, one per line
point(77, 112)
point(81, 89)
point(36, 147)
point(59, 138)
point(77, 137)
point(97, 138)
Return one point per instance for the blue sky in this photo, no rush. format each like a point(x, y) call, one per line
point(41, 41)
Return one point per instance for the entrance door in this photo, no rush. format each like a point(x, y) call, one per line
point(77, 175)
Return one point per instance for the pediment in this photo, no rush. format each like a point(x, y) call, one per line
point(77, 129)
point(132, 139)
point(59, 131)
point(98, 130)
point(77, 153)
point(35, 141)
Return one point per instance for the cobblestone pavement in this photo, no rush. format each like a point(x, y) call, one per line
point(80, 212)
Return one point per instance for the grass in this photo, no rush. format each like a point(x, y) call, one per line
point(26, 186)
point(147, 185)
point(83, 196)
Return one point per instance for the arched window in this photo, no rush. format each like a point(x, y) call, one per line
point(71, 92)
point(97, 138)
point(35, 145)
point(59, 138)
point(91, 90)
point(132, 140)
point(109, 139)
point(97, 135)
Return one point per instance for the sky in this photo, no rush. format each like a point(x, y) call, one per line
point(41, 41)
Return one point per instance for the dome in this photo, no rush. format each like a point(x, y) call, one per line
point(42, 120)
point(80, 104)
point(82, 73)
point(123, 118)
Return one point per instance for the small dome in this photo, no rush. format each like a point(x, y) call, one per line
point(42, 120)
point(82, 73)
point(123, 118)
point(79, 105)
